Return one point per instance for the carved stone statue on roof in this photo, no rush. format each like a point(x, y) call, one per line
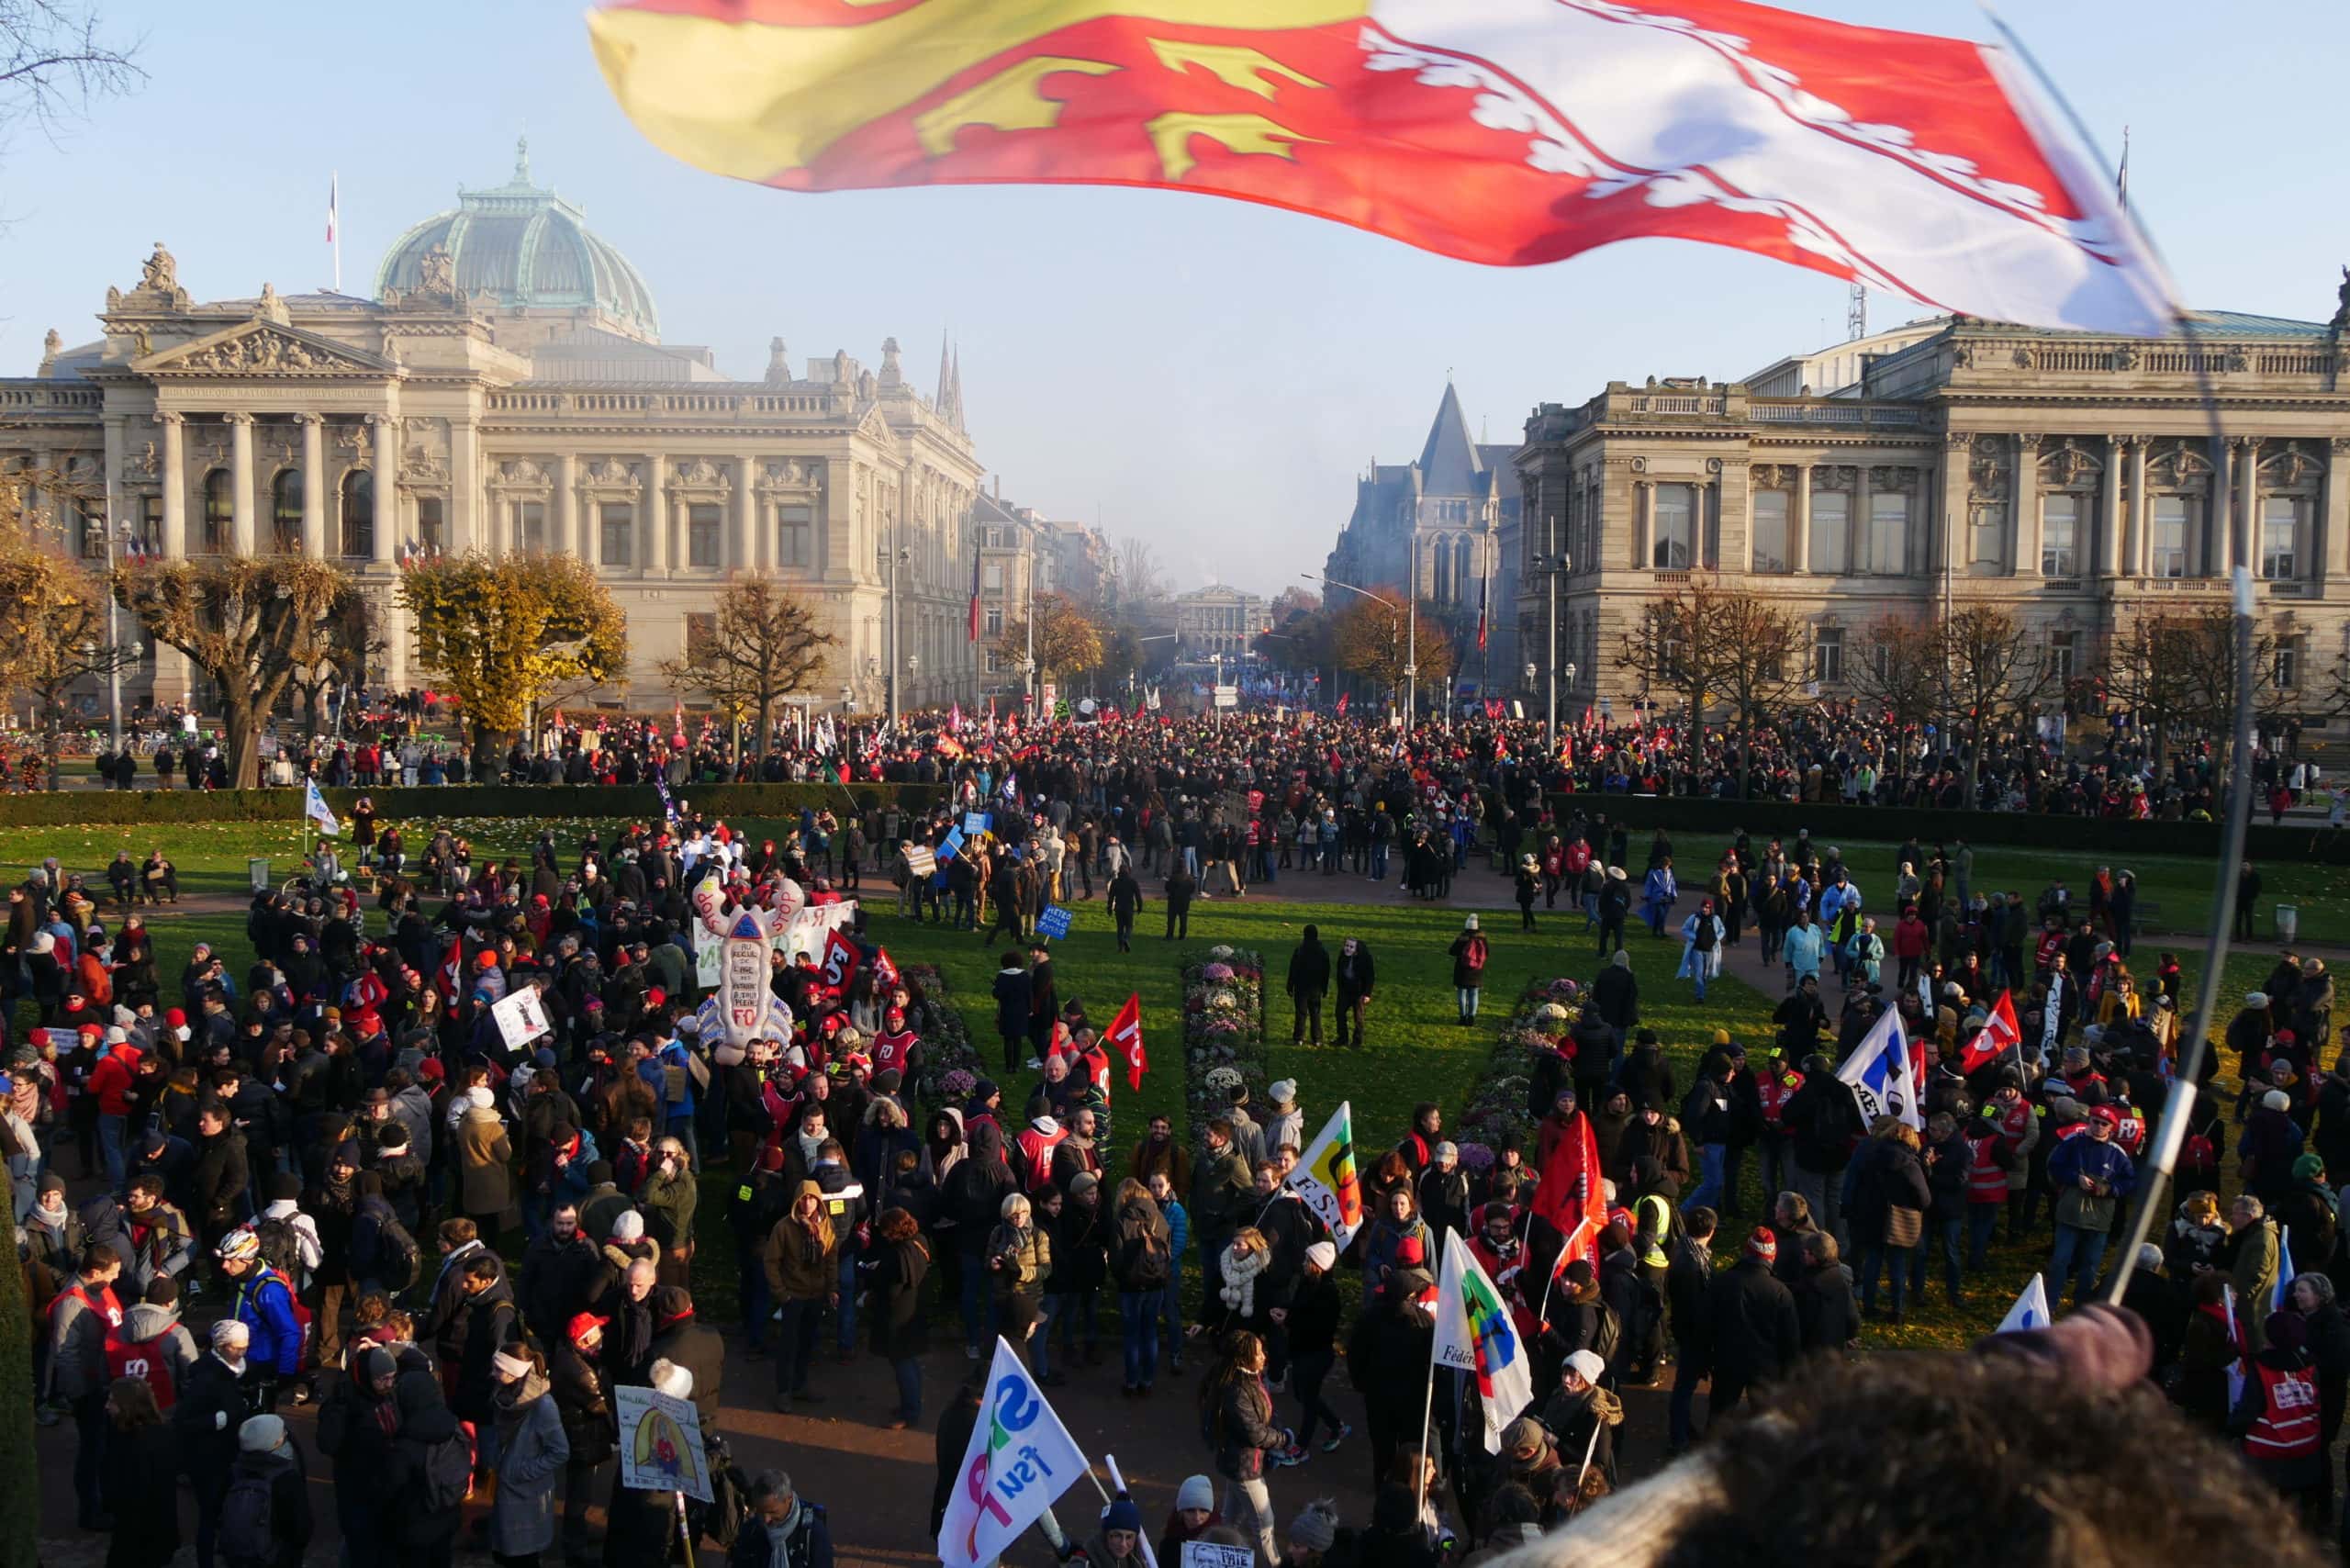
point(159, 272)
point(2341, 321)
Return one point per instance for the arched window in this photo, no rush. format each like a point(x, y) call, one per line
point(359, 515)
point(220, 512)
point(286, 511)
point(1464, 572)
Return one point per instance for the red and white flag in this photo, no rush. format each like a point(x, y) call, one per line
point(840, 960)
point(1125, 1038)
point(1509, 132)
point(885, 971)
point(1991, 1042)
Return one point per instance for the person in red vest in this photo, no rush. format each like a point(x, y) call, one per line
point(85, 1315)
point(2276, 1418)
point(1773, 1087)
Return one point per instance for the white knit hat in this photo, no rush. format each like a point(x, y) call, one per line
point(480, 1096)
point(1197, 1491)
point(672, 1380)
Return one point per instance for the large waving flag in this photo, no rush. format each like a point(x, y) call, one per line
point(1327, 1177)
point(1125, 1038)
point(1992, 1041)
point(1501, 132)
point(1473, 1333)
point(1886, 1073)
point(1019, 1459)
point(315, 807)
point(1572, 1196)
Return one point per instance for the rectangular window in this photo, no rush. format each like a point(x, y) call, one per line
point(2170, 536)
point(1827, 655)
point(1674, 513)
point(1888, 533)
point(1987, 539)
point(1769, 530)
point(991, 576)
point(1831, 521)
point(795, 534)
point(618, 520)
point(2287, 671)
point(995, 662)
point(702, 635)
point(2279, 522)
point(151, 524)
point(430, 532)
point(701, 535)
point(2064, 654)
point(995, 621)
point(2060, 524)
point(530, 526)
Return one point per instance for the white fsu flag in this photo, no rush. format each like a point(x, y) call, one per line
point(1510, 132)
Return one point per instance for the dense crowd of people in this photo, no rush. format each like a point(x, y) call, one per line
point(456, 1247)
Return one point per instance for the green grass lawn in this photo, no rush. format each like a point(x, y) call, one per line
point(1417, 1051)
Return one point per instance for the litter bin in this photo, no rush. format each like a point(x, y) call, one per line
point(257, 873)
point(2289, 921)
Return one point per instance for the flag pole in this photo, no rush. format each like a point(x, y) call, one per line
point(1588, 1450)
point(1427, 1404)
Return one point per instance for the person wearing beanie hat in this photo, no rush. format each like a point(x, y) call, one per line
point(265, 1516)
point(1118, 1543)
point(1582, 1416)
point(1312, 1534)
point(1312, 1328)
point(1469, 952)
point(1751, 1325)
point(1193, 1515)
point(2092, 1177)
point(485, 1162)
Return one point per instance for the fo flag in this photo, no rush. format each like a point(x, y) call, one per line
point(1992, 1041)
point(1886, 1073)
point(840, 960)
point(885, 972)
point(1475, 1333)
point(1019, 1459)
point(1509, 132)
point(1126, 1040)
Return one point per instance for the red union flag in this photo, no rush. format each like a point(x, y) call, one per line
point(1503, 132)
point(840, 960)
point(1991, 1042)
point(1125, 1038)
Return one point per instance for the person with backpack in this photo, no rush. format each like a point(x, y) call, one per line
point(428, 1474)
point(82, 1319)
point(784, 1530)
point(152, 1345)
point(265, 1515)
point(356, 1423)
point(214, 1399)
point(383, 1257)
point(1142, 1264)
point(531, 1453)
point(264, 1301)
point(1469, 954)
point(141, 1479)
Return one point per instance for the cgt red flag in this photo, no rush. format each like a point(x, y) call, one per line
point(1125, 1038)
point(1572, 1198)
point(1991, 1042)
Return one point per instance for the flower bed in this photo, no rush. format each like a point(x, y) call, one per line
point(1497, 1099)
point(1224, 1033)
point(950, 1063)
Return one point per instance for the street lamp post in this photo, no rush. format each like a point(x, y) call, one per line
point(891, 563)
point(1411, 641)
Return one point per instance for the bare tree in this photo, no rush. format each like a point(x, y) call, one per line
point(54, 59)
point(765, 646)
point(1667, 645)
point(2177, 672)
point(1993, 677)
point(1139, 574)
point(333, 650)
point(1757, 650)
point(1901, 672)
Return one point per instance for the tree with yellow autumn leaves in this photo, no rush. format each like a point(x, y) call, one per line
point(502, 635)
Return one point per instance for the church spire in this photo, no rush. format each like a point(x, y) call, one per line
point(954, 392)
point(938, 400)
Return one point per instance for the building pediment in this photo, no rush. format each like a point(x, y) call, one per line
point(263, 348)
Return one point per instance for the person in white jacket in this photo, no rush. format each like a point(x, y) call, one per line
point(1701, 946)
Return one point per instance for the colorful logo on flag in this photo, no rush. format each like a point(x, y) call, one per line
point(1489, 1333)
point(1326, 1178)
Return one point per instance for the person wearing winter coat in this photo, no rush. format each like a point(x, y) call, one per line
point(1238, 1413)
point(420, 1534)
point(486, 1168)
point(1308, 983)
point(2092, 1176)
point(582, 1395)
point(266, 1455)
point(2252, 1260)
point(1829, 1319)
point(1890, 1196)
point(140, 1482)
point(2277, 1418)
point(1019, 1260)
point(784, 1530)
point(893, 1273)
point(531, 1451)
point(802, 1261)
point(151, 1332)
point(213, 1402)
point(355, 1424)
point(85, 1316)
point(1141, 1260)
point(1752, 1335)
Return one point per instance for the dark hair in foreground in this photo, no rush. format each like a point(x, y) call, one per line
point(1947, 1461)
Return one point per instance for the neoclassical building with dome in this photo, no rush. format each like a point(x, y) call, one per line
point(507, 389)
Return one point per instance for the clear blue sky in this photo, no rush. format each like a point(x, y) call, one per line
point(1208, 375)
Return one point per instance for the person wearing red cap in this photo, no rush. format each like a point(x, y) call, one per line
point(580, 1385)
point(1752, 1333)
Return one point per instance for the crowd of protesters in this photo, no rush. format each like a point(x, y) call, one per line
point(454, 1250)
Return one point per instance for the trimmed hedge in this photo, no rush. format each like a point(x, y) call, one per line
point(524, 801)
point(1828, 825)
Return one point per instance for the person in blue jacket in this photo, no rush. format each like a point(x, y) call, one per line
point(263, 1303)
point(677, 1115)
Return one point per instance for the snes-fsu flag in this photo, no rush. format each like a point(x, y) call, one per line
point(1502, 132)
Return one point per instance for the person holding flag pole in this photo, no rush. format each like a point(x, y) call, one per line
point(1019, 1460)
